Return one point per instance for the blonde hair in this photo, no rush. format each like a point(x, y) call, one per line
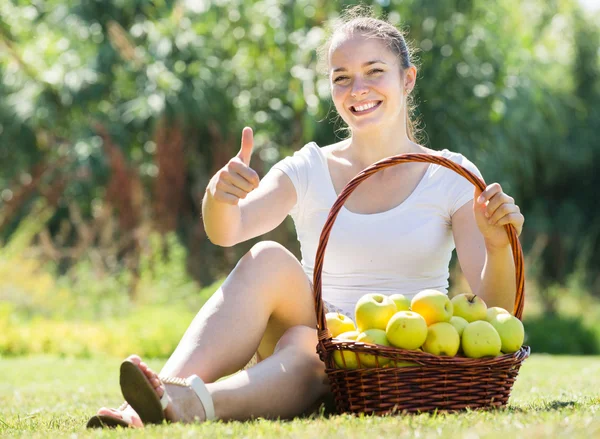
point(362, 20)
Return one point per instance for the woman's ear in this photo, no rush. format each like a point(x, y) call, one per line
point(410, 77)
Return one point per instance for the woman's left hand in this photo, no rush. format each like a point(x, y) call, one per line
point(494, 209)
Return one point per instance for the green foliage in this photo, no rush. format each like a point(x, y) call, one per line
point(556, 334)
point(148, 331)
point(520, 97)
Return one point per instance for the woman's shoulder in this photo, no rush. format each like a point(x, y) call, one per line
point(456, 157)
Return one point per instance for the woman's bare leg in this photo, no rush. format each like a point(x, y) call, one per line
point(284, 385)
point(266, 294)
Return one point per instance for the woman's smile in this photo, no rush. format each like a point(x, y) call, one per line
point(365, 107)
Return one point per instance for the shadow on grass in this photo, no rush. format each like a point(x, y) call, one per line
point(547, 406)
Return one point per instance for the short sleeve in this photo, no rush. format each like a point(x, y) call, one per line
point(461, 189)
point(297, 167)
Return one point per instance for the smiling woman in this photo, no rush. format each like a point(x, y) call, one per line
point(396, 234)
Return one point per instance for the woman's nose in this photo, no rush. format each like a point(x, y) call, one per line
point(359, 88)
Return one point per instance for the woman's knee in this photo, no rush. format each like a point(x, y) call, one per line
point(268, 255)
point(271, 265)
point(301, 339)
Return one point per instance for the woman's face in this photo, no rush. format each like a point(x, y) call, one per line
point(366, 85)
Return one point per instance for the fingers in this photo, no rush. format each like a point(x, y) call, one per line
point(489, 192)
point(236, 167)
point(247, 145)
point(231, 189)
point(500, 208)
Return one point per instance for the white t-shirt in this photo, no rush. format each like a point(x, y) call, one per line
point(403, 250)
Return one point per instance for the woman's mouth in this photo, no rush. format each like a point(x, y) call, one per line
point(365, 107)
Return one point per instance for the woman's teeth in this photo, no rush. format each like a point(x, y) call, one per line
point(364, 107)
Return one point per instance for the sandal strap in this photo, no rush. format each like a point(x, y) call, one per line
point(199, 388)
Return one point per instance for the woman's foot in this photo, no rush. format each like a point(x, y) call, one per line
point(125, 412)
point(184, 405)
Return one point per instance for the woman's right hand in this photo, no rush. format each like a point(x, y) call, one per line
point(236, 179)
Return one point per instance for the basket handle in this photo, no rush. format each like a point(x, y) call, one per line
point(323, 332)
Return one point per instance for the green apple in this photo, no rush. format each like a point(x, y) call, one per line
point(338, 323)
point(511, 331)
point(459, 324)
point(433, 305)
point(373, 311)
point(406, 330)
point(401, 364)
point(346, 359)
point(480, 339)
point(402, 302)
point(470, 307)
point(494, 311)
point(442, 339)
point(373, 336)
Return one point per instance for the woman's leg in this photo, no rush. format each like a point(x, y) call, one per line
point(265, 294)
point(284, 385)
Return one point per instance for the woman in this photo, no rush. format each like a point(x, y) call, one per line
point(396, 233)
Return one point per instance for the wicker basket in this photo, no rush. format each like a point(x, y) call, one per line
point(435, 382)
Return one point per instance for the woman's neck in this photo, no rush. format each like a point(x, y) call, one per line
point(369, 147)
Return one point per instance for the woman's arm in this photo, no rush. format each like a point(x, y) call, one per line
point(483, 248)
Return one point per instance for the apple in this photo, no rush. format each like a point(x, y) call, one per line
point(338, 323)
point(459, 324)
point(402, 302)
point(433, 305)
point(470, 307)
point(346, 359)
point(401, 364)
point(494, 311)
point(373, 311)
point(511, 331)
point(406, 330)
point(442, 339)
point(480, 339)
point(373, 336)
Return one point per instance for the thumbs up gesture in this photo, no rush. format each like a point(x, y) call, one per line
point(236, 179)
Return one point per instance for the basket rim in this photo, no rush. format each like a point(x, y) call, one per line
point(322, 330)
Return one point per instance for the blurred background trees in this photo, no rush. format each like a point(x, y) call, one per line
point(114, 115)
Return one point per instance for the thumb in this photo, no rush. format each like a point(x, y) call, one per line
point(247, 146)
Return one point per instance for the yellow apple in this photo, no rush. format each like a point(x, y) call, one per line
point(373, 336)
point(459, 324)
point(406, 330)
point(470, 307)
point(402, 302)
point(433, 305)
point(338, 323)
point(511, 332)
point(346, 359)
point(442, 339)
point(373, 311)
point(494, 311)
point(480, 339)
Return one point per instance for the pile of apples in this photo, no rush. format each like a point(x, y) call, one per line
point(431, 322)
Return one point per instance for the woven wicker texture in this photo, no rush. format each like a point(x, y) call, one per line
point(424, 382)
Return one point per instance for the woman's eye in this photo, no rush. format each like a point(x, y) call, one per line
point(374, 71)
point(340, 79)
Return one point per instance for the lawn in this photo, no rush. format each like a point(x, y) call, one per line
point(554, 396)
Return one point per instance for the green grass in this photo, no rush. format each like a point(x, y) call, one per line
point(44, 397)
